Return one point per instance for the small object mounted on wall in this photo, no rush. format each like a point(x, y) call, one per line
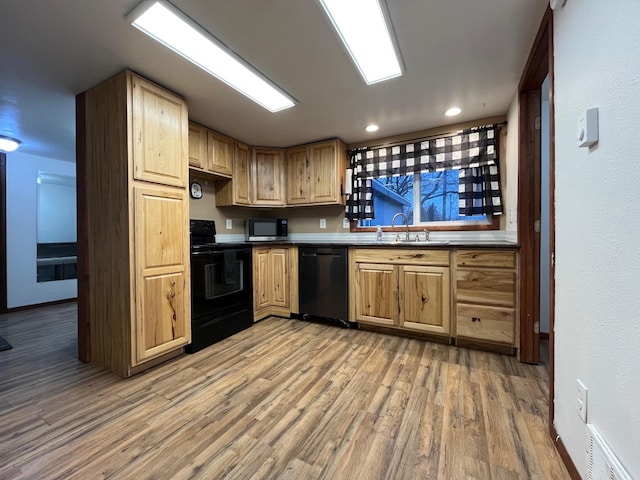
point(196, 189)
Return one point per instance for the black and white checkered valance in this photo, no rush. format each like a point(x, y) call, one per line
point(479, 191)
point(474, 148)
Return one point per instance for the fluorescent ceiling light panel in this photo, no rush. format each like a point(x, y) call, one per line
point(164, 23)
point(363, 29)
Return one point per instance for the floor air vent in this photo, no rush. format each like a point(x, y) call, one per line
point(602, 464)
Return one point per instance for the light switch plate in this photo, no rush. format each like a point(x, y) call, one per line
point(323, 223)
point(588, 128)
point(229, 224)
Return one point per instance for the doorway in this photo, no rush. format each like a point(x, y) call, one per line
point(537, 253)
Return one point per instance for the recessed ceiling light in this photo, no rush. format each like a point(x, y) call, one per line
point(169, 26)
point(8, 144)
point(452, 112)
point(366, 34)
point(372, 128)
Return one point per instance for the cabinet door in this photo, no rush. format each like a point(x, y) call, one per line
point(280, 277)
point(298, 176)
point(261, 283)
point(268, 177)
point(219, 153)
point(160, 134)
point(163, 318)
point(424, 298)
point(197, 145)
point(325, 183)
point(376, 293)
point(241, 175)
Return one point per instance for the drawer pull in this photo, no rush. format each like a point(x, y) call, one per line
point(475, 319)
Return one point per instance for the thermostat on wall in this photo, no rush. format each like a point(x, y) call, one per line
point(588, 127)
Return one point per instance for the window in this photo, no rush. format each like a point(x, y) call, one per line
point(448, 182)
point(427, 199)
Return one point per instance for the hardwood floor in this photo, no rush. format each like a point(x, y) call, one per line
point(285, 399)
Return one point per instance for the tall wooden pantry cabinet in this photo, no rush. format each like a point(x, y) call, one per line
point(133, 219)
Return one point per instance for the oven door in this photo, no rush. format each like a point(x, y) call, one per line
point(221, 296)
point(220, 279)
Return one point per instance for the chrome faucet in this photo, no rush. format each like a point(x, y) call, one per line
point(406, 224)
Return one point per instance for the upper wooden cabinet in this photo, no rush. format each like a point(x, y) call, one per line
point(133, 163)
point(197, 146)
point(210, 152)
point(267, 172)
point(238, 190)
point(159, 122)
point(316, 174)
point(220, 151)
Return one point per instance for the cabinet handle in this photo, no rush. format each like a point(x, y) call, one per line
point(475, 319)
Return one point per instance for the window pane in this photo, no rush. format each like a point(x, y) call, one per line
point(439, 198)
point(391, 195)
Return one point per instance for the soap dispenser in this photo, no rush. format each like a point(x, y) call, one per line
point(379, 234)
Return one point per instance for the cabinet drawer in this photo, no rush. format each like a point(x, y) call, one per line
point(492, 324)
point(402, 256)
point(486, 258)
point(496, 287)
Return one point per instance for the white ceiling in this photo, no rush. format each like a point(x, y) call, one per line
point(455, 52)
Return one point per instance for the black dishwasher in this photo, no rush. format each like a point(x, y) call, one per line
point(322, 282)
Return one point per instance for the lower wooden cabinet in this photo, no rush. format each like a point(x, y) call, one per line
point(401, 289)
point(274, 281)
point(424, 298)
point(162, 322)
point(485, 286)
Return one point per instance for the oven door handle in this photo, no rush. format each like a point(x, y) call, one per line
point(204, 253)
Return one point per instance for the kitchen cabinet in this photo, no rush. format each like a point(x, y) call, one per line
point(220, 150)
point(238, 190)
point(401, 288)
point(267, 173)
point(210, 153)
point(274, 277)
point(316, 174)
point(485, 295)
point(197, 146)
point(134, 287)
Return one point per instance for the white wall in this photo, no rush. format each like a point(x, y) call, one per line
point(597, 312)
point(22, 201)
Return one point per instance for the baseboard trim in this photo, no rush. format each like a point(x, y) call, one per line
point(40, 305)
point(564, 455)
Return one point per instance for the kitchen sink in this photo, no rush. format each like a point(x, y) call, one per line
point(419, 242)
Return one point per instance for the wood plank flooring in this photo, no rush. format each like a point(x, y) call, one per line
point(285, 399)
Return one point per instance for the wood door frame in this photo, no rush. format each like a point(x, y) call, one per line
point(3, 232)
point(539, 64)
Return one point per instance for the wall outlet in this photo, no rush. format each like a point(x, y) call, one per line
point(346, 223)
point(229, 224)
point(323, 223)
point(581, 404)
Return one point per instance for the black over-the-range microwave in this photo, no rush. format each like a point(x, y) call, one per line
point(266, 229)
